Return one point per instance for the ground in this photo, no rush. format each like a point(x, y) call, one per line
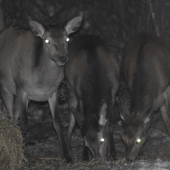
point(43, 152)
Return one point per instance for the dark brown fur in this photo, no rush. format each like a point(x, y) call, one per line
point(93, 75)
point(146, 69)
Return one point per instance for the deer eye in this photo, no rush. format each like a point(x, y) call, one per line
point(67, 39)
point(102, 140)
point(138, 140)
point(47, 41)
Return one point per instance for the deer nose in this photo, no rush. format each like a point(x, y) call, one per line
point(63, 59)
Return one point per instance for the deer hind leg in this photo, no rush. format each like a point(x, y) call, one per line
point(17, 110)
point(8, 100)
point(21, 107)
point(166, 108)
point(72, 102)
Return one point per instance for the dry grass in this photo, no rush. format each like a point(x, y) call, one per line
point(58, 164)
point(11, 143)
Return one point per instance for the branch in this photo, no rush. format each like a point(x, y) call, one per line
point(104, 18)
point(153, 17)
point(1, 16)
point(126, 27)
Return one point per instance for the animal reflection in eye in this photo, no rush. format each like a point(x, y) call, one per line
point(101, 140)
point(47, 41)
point(67, 39)
point(138, 140)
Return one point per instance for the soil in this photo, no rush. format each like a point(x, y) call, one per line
point(42, 148)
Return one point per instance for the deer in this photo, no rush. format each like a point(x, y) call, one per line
point(146, 69)
point(32, 68)
point(92, 76)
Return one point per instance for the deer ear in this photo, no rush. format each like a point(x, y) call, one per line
point(73, 24)
point(79, 117)
point(36, 28)
point(102, 113)
point(124, 112)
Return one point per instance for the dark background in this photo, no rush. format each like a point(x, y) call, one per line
point(114, 20)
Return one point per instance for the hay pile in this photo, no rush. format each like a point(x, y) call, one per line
point(11, 143)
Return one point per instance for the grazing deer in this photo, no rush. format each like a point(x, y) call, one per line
point(93, 81)
point(146, 67)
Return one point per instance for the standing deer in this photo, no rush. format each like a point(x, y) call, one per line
point(146, 68)
point(32, 68)
point(93, 80)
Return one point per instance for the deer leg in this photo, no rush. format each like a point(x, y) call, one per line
point(165, 109)
point(53, 104)
point(164, 113)
point(85, 153)
point(21, 106)
point(112, 150)
point(111, 144)
point(8, 100)
point(72, 102)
